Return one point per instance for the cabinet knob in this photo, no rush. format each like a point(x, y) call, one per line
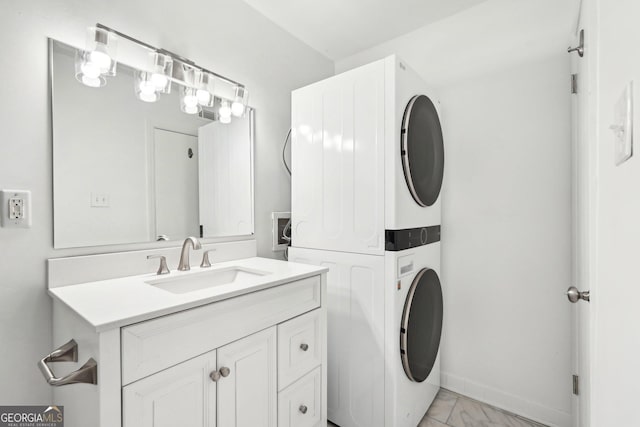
point(304, 347)
point(215, 376)
point(303, 409)
point(224, 371)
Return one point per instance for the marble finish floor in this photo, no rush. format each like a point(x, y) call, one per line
point(454, 410)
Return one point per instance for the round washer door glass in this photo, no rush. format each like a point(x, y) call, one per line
point(422, 150)
point(421, 325)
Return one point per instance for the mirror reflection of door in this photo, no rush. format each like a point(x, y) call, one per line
point(176, 185)
point(226, 195)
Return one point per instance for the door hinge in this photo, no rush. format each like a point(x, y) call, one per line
point(574, 83)
point(576, 385)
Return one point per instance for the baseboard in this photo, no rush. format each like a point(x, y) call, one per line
point(509, 402)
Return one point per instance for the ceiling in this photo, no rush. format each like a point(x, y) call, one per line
point(340, 28)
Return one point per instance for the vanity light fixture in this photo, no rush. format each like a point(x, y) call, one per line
point(224, 111)
point(189, 101)
point(87, 72)
point(239, 101)
point(162, 69)
point(98, 58)
point(145, 87)
point(205, 90)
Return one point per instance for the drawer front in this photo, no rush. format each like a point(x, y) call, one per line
point(299, 348)
point(157, 344)
point(299, 405)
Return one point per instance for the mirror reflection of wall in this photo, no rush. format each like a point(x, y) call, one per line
point(127, 171)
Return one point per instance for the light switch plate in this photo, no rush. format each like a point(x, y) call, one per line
point(623, 126)
point(15, 208)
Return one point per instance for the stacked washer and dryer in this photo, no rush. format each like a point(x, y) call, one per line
point(367, 163)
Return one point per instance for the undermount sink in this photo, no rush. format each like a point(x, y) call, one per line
point(209, 279)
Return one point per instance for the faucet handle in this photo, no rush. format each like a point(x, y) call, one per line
point(205, 259)
point(163, 269)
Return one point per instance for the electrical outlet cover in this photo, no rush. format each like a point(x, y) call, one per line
point(15, 208)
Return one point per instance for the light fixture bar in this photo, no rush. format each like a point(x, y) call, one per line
point(175, 57)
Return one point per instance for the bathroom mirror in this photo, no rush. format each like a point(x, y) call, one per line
point(127, 171)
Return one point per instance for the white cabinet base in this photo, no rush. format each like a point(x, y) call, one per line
point(142, 382)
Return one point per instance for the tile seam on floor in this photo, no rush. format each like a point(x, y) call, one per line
point(458, 395)
point(452, 407)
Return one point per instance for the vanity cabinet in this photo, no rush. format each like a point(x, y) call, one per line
point(234, 385)
point(249, 360)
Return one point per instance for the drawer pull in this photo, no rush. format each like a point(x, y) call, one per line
point(303, 409)
point(215, 376)
point(304, 347)
point(224, 371)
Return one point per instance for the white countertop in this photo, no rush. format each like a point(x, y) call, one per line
point(114, 303)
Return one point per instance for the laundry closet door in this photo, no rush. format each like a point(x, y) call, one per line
point(337, 157)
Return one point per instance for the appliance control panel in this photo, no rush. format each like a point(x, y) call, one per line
point(398, 240)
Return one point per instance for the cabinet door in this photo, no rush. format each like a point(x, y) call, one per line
point(183, 395)
point(247, 397)
point(337, 152)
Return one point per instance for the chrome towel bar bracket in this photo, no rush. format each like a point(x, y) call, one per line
point(87, 374)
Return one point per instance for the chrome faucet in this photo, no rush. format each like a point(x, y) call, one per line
point(184, 255)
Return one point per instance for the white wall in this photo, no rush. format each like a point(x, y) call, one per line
point(614, 307)
point(502, 74)
point(228, 37)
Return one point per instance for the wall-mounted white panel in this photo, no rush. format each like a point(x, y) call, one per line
point(338, 162)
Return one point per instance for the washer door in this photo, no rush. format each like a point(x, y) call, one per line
point(421, 325)
point(422, 150)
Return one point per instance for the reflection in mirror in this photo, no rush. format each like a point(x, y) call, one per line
point(127, 171)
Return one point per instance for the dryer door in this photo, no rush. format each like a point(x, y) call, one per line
point(422, 150)
point(421, 325)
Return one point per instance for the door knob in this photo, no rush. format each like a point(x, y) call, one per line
point(215, 376)
point(303, 409)
point(575, 295)
point(304, 347)
point(224, 371)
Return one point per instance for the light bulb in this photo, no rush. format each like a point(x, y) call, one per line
point(191, 109)
point(90, 69)
point(190, 100)
point(148, 97)
point(101, 59)
point(147, 87)
point(91, 81)
point(225, 110)
point(159, 80)
point(225, 119)
point(237, 108)
point(204, 97)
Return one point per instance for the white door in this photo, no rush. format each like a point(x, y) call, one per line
point(226, 178)
point(176, 185)
point(183, 395)
point(612, 37)
point(247, 396)
point(583, 194)
point(337, 158)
